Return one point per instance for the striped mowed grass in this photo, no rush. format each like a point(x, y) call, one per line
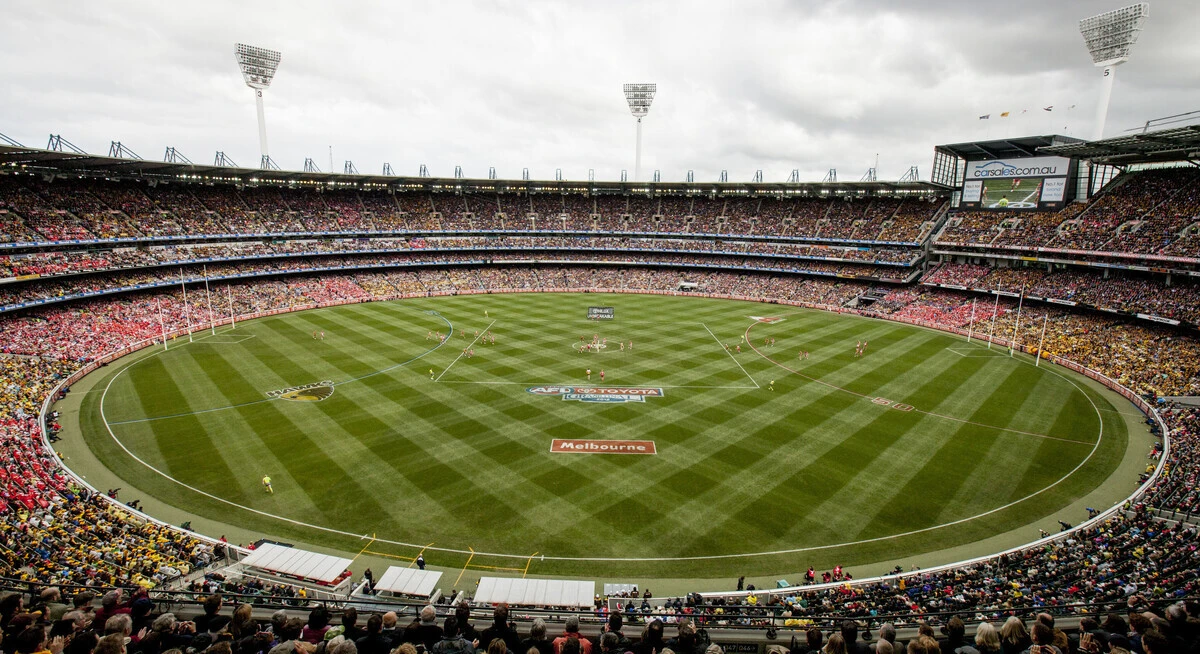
point(427, 441)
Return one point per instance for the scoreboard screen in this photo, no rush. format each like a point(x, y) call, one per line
point(1018, 183)
point(601, 313)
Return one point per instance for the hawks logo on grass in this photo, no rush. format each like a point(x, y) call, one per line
point(768, 319)
point(314, 392)
point(597, 394)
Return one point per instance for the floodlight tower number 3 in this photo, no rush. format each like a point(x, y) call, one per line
point(258, 67)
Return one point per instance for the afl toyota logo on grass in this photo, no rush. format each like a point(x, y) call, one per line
point(597, 394)
point(314, 392)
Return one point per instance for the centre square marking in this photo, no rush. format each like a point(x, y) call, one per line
point(591, 446)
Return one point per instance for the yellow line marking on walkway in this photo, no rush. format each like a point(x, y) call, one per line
point(464, 570)
point(527, 562)
point(363, 549)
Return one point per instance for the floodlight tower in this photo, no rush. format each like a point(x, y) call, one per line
point(1109, 36)
point(639, 97)
point(258, 69)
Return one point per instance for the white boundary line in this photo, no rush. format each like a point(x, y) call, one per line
point(241, 337)
point(471, 344)
point(968, 354)
point(540, 383)
point(722, 346)
point(618, 559)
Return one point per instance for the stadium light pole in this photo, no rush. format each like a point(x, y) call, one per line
point(258, 67)
point(639, 97)
point(1109, 37)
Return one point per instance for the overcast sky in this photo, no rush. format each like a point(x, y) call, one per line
point(742, 85)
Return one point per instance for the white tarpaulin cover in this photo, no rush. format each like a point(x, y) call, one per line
point(290, 561)
point(408, 581)
point(535, 592)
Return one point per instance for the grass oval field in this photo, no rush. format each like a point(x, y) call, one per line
point(417, 442)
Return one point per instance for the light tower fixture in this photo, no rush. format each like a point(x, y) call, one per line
point(258, 67)
point(1109, 37)
point(639, 97)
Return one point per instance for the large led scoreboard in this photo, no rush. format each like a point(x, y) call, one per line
point(1024, 183)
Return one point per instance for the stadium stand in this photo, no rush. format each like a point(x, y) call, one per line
point(820, 252)
point(1151, 213)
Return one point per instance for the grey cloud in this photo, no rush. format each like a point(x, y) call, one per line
point(774, 84)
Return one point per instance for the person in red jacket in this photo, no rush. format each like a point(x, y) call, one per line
point(572, 633)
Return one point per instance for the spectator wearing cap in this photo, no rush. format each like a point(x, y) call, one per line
point(571, 632)
point(139, 614)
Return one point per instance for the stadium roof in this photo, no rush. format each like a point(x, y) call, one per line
point(293, 562)
point(535, 592)
point(1025, 146)
point(54, 162)
point(1173, 144)
point(408, 581)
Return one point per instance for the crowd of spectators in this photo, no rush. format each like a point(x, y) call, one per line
point(1152, 212)
point(74, 286)
point(62, 262)
point(56, 531)
point(71, 210)
point(1128, 292)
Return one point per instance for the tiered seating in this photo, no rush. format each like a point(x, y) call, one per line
point(178, 209)
point(579, 210)
point(516, 210)
point(641, 215)
point(708, 217)
point(549, 209)
point(911, 222)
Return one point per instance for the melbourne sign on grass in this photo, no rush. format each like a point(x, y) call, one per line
point(589, 446)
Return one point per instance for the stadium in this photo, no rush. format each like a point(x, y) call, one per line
point(816, 412)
